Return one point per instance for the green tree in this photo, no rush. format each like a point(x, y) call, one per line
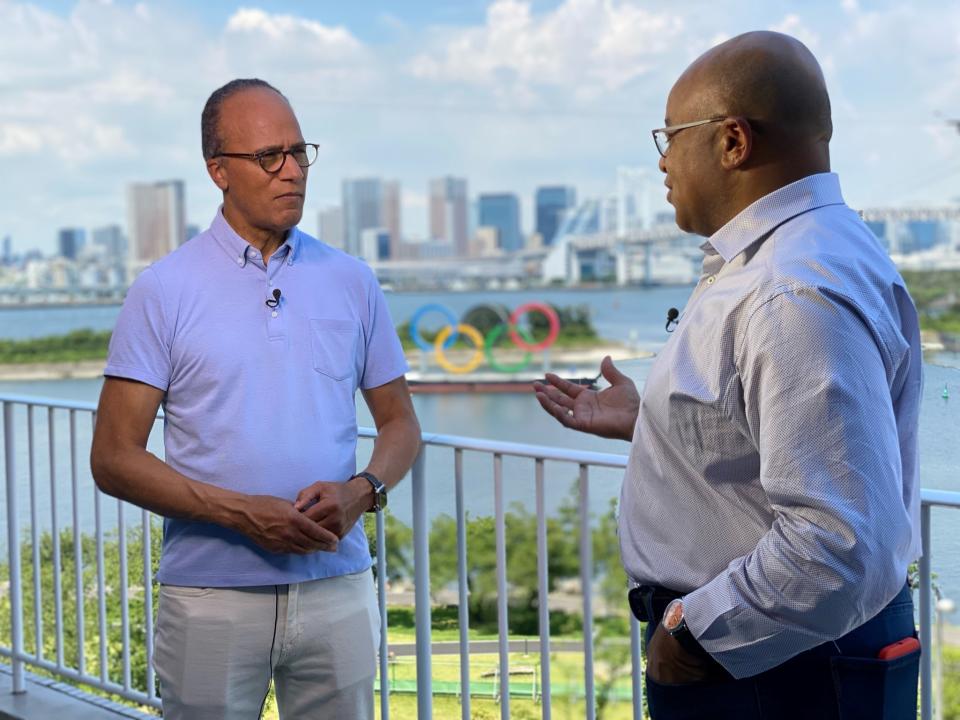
point(136, 601)
point(399, 540)
point(606, 559)
point(78, 345)
point(563, 561)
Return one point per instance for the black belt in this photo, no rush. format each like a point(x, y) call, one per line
point(648, 602)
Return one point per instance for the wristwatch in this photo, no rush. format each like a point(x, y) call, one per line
point(676, 626)
point(379, 490)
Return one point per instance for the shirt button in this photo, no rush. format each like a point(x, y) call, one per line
point(274, 313)
point(712, 279)
point(239, 261)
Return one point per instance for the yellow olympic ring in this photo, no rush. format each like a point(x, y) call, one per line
point(473, 363)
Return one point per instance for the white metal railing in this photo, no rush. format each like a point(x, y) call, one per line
point(22, 413)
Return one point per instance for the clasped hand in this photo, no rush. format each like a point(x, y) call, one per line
point(321, 515)
point(335, 506)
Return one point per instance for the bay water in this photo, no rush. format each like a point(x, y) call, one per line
point(634, 316)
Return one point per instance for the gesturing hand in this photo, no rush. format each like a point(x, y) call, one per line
point(275, 525)
point(335, 506)
point(609, 413)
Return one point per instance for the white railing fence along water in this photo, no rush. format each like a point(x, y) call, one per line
point(82, 625)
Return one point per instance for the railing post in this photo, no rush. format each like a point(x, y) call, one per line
point(503, 626)
point(637, 669)
point(586, 582)
point(926, 636)
point(13, 550)
point(463, 607)
point(382, 603)
point(543, 596)
point(421, 590)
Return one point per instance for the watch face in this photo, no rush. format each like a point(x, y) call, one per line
point(673, 615)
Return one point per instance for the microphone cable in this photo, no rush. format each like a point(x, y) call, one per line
point(273, 640)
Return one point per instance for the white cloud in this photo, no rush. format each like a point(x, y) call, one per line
point(337, 41)
point(19, 139)
point(588, 47)
point(294, 53)
point(794, 26)
point(111, 93)
point(86, 140)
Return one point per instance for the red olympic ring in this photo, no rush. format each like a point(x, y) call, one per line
point(552, 318)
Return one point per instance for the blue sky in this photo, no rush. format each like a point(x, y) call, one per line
point(510, 94)
point(371, 22)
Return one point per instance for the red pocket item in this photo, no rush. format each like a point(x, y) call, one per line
point(899, 648)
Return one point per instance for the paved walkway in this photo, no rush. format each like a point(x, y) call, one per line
point(46, 699)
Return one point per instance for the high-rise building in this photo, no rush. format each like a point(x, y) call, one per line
point(375, 244)
point(156, 221)
point(448, 213)
point(501, 211)
point(69, 242)
point(111, 242)
point(330, 226)
point(552, 203)
point(390, 215)
point(6, 257)
point(923, 235)
point(370, 203)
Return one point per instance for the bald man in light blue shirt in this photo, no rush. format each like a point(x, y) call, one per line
point(770, 506)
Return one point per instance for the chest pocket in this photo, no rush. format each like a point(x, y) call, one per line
point(334, 347)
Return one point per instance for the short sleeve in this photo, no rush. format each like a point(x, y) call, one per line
point(140, 344)
point(384, 359)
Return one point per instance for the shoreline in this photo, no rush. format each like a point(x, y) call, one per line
point(560, 361)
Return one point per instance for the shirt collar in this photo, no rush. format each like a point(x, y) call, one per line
point(765, 215)
point(237, 248)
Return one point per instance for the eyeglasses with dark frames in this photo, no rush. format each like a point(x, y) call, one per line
point(663, 136)
point(272, 160)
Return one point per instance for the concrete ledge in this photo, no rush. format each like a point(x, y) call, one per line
point(46, 698)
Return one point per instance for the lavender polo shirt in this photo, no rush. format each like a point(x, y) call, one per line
point(256, 400)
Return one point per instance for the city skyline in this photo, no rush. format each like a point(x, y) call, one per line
point(157, 209)
point(511, 95)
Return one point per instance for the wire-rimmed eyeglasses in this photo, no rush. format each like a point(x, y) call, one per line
point(273, 159)
point(662, 136)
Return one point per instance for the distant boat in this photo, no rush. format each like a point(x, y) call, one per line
point(946, 392)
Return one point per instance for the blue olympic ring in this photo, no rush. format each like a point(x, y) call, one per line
point(452, 321)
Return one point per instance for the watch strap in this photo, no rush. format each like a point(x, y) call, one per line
point(379, 490)
point(681, 633)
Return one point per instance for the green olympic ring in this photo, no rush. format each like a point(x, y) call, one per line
point(493, 336)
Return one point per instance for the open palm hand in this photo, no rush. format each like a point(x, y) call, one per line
point(609, 413)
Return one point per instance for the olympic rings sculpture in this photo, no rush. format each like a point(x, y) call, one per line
point(483, 346)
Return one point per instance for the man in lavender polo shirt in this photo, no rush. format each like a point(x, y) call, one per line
point(255, 338)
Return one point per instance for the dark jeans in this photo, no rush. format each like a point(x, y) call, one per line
point(834, 681)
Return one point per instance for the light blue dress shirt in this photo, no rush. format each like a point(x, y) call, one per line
point(773, 474)
point(256, 399)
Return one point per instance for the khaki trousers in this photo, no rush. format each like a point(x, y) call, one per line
point(216, 647)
